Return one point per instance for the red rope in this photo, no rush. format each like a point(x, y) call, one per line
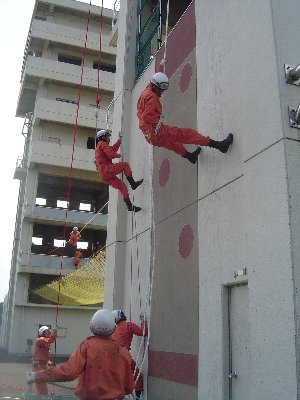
point(71, 165)
point(98, 99)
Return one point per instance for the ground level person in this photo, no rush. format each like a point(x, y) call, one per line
point(123, 335)
point(102, 366)
point(41, 354)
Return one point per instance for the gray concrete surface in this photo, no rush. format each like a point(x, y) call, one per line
point(13, 381)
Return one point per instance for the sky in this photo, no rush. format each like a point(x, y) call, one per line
point(15, 22)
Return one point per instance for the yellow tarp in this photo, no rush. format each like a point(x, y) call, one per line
point(84, 286)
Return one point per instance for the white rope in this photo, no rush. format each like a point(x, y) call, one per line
point(167, 27)
point(93, 217)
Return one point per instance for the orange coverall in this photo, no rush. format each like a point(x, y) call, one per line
point(107, 170)
point(74, 237)
point(41, 357)
point(123, 335)
point(149, 112)
point(78, 257)
point(102, 367)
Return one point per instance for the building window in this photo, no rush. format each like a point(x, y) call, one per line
point(69, 59)
point(84, 207)
point(40, 201)
point(37, 241)
point(62, 204)
point(54, 140)
point(82, 245)
point(105, 67)
point(59, 243)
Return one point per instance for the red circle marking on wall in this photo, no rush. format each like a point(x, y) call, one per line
point(164, 172)
point(186, 241)
point(185, 77)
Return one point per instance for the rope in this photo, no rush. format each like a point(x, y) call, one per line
point(98, 97)
point(152, 230)
point(71, 165)
point(167, 27)
point(94, 216)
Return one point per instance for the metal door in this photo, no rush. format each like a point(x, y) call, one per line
point(239, 354)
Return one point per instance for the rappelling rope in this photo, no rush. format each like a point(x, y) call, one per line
point(71, 165)
point(152, 228)
point(98, 96)
point(94, 216)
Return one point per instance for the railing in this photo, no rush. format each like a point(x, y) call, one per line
point(116, 12)
point(20, 163)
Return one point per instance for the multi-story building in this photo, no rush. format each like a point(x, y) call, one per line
point(48, 100)
point(221, 261)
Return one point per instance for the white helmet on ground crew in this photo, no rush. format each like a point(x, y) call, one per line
point(119, 315)
point(43, 329)
point(103, 132)
point(102, 323)
point(160, 80)
point(75, 228)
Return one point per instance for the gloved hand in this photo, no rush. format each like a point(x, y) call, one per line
point(30, 377)
point(143, 316)
point(163, 62)
point(51, 364)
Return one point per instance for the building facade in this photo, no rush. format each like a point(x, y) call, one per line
point(214, 255)
point(48, 99)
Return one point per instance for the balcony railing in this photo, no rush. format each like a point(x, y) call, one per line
point(57, 33)
point(63, 112)
point(46, 214)
point(63, 72)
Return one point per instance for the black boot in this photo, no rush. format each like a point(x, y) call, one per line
point(138, 394)
point(134, 184)
point(130, 206)
point(192, 157)
point(222, 146)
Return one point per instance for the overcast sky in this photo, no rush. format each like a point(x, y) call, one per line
point(15, 21)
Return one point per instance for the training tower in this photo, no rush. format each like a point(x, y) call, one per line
point(48, 100)
point(222, 257)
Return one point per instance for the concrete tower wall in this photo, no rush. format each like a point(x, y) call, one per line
point(225, 288)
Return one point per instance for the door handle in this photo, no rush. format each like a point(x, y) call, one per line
point(233, 374)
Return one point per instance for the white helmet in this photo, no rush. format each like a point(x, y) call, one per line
point(102, 323)
point(75, 228)
point(43, 329)
point(103, 132)
point(119, 315)
point(160, 80)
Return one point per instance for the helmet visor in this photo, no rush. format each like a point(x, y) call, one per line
point(163, 85)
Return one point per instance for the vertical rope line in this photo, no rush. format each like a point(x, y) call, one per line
point(98, 98)
point(167, 27)
point(71, 165)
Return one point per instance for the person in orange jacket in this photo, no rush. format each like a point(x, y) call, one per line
point(149, 113)
point(108, 171)
point(123, 335)
point(77, 258)
point(102, 366)
point(74, 236)
point(41, 354)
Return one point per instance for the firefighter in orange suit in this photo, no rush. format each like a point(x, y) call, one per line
point(123, 335)
point(74, 236)
point(102, 366)
point(77, 258)
point(149, 112)
point(41, 354)
point(108, 171)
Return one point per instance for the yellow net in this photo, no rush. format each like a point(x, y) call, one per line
point(83, 287)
